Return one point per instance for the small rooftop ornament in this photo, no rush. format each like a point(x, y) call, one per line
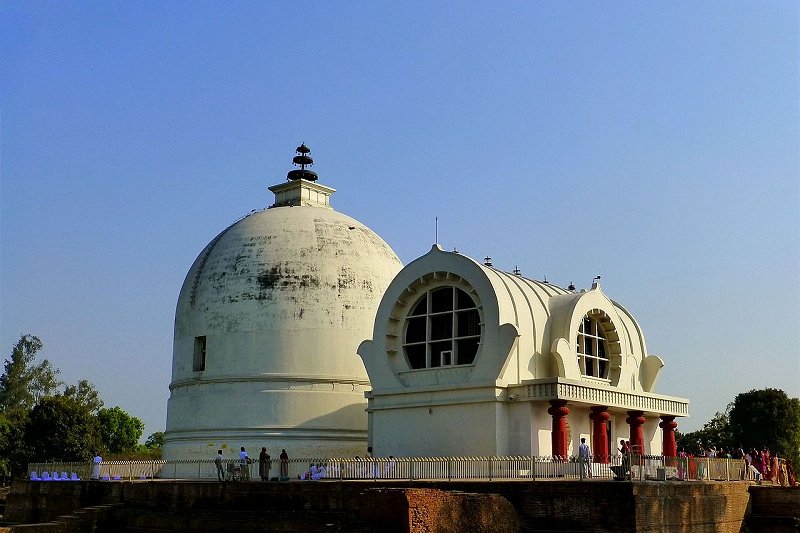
point(302, 159)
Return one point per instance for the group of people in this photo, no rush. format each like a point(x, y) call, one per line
point(314, 472)
point(759, 464)
point(264, 465)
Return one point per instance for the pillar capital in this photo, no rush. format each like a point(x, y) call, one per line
point(636, 420)
point(558, 408)
point(599, 412)
point(667, 421)
point(669, 447)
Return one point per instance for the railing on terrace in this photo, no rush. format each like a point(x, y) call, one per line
point(633, 467)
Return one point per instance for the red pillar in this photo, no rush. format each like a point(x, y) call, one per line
point(599, 416)
point(559, 410)
point(668, 425)
point(636, 420)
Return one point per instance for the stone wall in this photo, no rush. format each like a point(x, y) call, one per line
point(404, 507)
point(246, 507)
point(602, 506)
point(705, 508)
point(773, 510)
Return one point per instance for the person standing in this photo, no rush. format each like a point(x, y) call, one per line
point(264, 464)
point(624, 451)
point(375, 472)
point(244, 465)
point(96, 466)
point(218, 464)
point(284, 463)
point(583, 454)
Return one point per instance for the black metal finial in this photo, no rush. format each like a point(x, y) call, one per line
point(303, 160)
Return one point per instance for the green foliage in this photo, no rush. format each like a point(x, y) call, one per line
point(61, 429)
point(12, 442)
point(39, 424)
point(767, 418)
point(155, 441)
point(119, 430)
point(716, 432)
point(151, 449)
point(85, 394)
point(140, 453)
point(24, 383)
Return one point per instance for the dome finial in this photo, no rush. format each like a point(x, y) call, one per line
point(302, 159)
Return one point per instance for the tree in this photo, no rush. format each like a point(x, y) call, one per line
point(716, 432)
point(12, 442)
point(23, 383)
point(151, 449)
point(119, 430)
point(61, 429)
point(767, 418)
point(85, 394)
point(156, 440)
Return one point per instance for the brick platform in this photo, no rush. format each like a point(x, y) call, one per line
point(364, 507)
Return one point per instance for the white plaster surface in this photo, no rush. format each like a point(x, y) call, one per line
point(526, 356)
point(283, 297)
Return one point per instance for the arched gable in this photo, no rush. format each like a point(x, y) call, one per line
point(386, 357)
point(629, 366)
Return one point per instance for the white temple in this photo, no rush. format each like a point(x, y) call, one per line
point(460, 358)
point(466, 359)
point(267, 326)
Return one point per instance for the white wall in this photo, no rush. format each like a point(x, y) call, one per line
point(438, 430)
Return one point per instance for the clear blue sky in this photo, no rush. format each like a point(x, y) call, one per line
point(653, 143)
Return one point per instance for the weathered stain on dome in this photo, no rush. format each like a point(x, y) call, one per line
point(279, 260)
point(269, 278)
point(279, 301)
point(285, 278)
point(201, 262)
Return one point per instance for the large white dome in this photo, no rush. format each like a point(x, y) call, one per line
point(266, 330)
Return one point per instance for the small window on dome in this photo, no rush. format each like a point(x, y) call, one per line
point(442, 330)
point(592, 348)
point(199, 363)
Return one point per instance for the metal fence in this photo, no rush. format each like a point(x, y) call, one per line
point(109, 470)
point(634, 467)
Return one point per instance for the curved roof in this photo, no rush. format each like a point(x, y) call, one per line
point(283, 270)
point(267, 325)
point(528, 328)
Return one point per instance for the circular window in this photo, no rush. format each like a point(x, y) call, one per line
point(442, 329)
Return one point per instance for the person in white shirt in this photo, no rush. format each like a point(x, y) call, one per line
point(244, 465)
point(96, 466)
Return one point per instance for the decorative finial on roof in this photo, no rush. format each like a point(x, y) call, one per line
point(571, 287)
point(487, 261)
point(302, 160)
point(517, 271)
point(302, 188)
